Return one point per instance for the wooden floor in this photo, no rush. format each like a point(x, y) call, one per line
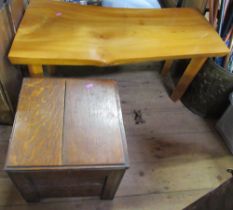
point(175, 156)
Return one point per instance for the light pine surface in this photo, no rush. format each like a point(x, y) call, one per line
point(175, 156)
point(58, 33)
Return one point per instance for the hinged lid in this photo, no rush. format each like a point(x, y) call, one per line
point(67, 122)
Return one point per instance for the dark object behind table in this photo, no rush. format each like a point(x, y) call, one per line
point(208, 94)
point(197, 4)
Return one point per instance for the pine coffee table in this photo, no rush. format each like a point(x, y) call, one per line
point(59, 33)
point(68, 139)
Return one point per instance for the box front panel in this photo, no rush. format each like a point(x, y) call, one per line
point(67, 183)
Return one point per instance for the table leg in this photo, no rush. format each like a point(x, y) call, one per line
point(166, 67)
point(35, 70)
point(189, 74)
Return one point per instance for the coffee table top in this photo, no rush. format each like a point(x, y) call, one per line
point(67, 123)
point(69, 34)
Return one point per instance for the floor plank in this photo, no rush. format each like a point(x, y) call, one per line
point(168, 147)
point(177, 200)
point(174, 175)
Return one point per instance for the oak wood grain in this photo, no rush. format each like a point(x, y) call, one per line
point(92, 132)
point(71, 122)
point(58, 33)
point(37, 134)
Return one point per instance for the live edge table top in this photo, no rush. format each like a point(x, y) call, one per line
point(58, 33)
point(67, 123)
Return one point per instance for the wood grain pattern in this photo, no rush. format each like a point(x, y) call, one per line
point(49, 34)
point(72, 122)
point(91, 125)
point(37, 134)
